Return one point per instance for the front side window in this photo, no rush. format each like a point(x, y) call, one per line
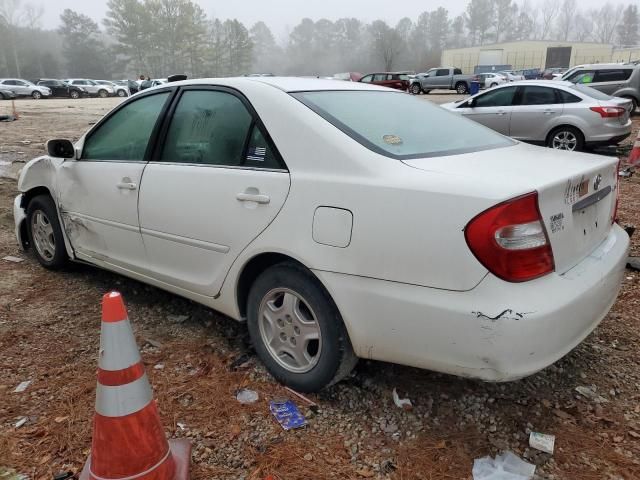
point(380, 77)
point(400, 126)
point(502, 97)
point(125, 134)
point(367, 79)
point(538, 96)
point(582, 76)
point(208, 127)
point(443, 72)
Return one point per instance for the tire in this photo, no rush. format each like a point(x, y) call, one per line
point(461, 88)
point(493, 85)
point(297, 301)
point(45, 234)
point(415, 89)
point(103, 93)
point(74, 94)
point(566, 138)
point(122, 93)
point(36, 95)
point(634, 102)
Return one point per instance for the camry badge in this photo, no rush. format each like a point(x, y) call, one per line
point(597, 181)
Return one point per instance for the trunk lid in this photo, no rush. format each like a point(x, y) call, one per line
point(619, 102)
point(576, 191)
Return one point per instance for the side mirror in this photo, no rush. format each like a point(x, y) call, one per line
point(60, 148)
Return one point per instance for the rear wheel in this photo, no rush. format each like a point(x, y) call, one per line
point(45, 234)
point(102, 94)
point(122, 93)
point(416, 89)
point(461, 88)
point(297, 330)
point(634, 105)
point(566, 138)
point(36, 95)
point(74, 94)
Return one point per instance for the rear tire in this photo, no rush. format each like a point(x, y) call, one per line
point(297, 330)
point(103, 94)
point(122, 93)
point(461, 88)
point(45, 234)
point(416, 89)
point(634, 102)
point(74, 94)
point(566, 138)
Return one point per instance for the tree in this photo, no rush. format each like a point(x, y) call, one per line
point(457, 37)
point(386, 43)
point(479, 18)
point(605, 22)
point(550, 10)
point(583, 27)
point(265, 50)
point(504, 18)
point(629, 28)
point(566, 19)
point(9, 20)
point(236, 47)
point(84, 52)
point(130, 24)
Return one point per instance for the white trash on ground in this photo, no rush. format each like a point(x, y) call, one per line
point(506, 466)
point(22, 387)
point(401, 402)
point(247, 396)
point(542, 442)
point(11, 258)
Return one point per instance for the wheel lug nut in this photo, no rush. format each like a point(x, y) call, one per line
point(293, 341)
point(283, 337)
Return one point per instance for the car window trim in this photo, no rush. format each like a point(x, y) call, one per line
point(155, 156)
point(154, 132)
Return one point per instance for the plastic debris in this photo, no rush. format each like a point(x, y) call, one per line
point(506, 466)
point(11, 258)
point(590, 393)
point(159, 366)
point(247, 396)
point(542, 442)
point(633, 263)
point(287, 414)
point(182, 426)
point(22, 387)
point(178, 318)
point(313, 406)
point(153, 343)
point(403, 403)
point(21, 422)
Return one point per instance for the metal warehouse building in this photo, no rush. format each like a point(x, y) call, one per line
point(536, 54)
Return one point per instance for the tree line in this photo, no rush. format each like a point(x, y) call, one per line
point(161, 37)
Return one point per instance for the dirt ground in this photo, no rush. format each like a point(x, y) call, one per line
point(197, 359)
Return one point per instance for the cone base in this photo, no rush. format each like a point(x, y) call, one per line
point(180, 451)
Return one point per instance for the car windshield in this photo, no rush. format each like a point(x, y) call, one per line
point(400, 126)
point(591, 92)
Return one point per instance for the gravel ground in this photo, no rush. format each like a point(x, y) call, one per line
point(197, 360)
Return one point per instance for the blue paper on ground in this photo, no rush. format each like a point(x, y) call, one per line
point(287, 414)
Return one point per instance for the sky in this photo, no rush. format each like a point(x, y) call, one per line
point(283, 15)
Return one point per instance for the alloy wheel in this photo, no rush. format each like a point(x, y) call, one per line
point(42, 231)
point(564, 140)
point(290, 330)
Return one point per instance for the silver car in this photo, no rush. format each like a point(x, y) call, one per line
point(24, 88)
point(94, 89)
point(121, 90)
point(559, 114)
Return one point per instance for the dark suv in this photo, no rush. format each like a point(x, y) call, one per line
point(399, 81)
point(61, 89)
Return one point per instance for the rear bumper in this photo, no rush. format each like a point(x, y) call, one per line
point(498, 331)
point(610, 141)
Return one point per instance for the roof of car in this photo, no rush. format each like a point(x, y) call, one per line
point(286, 84)
point(600, 66)
point(540, 83)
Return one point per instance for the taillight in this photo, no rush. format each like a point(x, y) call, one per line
point(609, 112)
point(510, 240)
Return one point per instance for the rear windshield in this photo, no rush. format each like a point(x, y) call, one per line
point(400, 126)
point(590, 92)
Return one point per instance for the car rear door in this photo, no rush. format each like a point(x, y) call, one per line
point(98, 194)
point(611, 80)
point(535, 113)
point(214, 185)
point(492, 109)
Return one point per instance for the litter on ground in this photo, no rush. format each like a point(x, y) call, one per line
point(542, 442)
point(22, 387)
point(506, 466)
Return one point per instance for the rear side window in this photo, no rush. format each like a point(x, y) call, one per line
point(125, 134)
point(613, 75)
point(400, 126)
point(538, 96)
point(380, 77)
point(259, 153)
point(567, 97)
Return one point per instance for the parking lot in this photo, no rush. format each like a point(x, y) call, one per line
point(197, 360)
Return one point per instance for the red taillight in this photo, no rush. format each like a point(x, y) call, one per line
point(510, 240)
point(609, 112)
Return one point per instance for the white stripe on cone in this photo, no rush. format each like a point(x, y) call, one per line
point(118, 349)
point(124, 399)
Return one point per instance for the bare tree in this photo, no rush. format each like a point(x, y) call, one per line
point(584, 26)
point(10, 19)
point(566, 19)
point(605, 22)
point(33, 16)
point(386, 43)
point(550, 10)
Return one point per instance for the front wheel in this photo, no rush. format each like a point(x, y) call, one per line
point(416, 89)
point(122, 93)
point(36, 95)
point(297, 330)
point(566, 138)
point(102, 94)
point(45, 234)
point(461, 88)
point(74, 94)
point(493, 85)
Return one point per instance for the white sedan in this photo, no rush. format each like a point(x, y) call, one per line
point(336, 228)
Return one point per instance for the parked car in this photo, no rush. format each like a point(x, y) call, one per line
point(441, 78)
point(6, 94)
point(120, 90)
point(94, 89)
point(613, 79)
point(482, 245)
point(511, 75)
point(560, 115)
point(530, 73)
point(61, 89)
point(130, 84)
point(489, 80)
point(553, 73)
point(398, 81)
point(24, 88)
point(348, 76)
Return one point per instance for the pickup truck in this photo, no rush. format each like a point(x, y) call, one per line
point(441, 78)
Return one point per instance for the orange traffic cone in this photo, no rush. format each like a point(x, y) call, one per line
point(634, 155)
point(128, 438)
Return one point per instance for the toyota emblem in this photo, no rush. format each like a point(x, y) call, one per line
point(597, 181)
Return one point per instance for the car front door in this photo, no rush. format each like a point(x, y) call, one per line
point(443, 78)
point(212, 188)
point(98, 194)
point(22, 88)
point(492, 109)
point(535, 113)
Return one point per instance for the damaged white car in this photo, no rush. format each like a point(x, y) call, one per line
point(340, 220)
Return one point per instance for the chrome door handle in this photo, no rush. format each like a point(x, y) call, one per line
point(500, 113)
point(127, 186)
point(251, 197)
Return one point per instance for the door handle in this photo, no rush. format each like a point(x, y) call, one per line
point(253, 197)
point(501, 112)
point(549, 112)
point(127, 186)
